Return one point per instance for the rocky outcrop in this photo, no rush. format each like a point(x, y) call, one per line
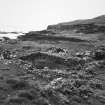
point(41, 60)
point(34, 36)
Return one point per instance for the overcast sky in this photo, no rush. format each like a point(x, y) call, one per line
point(30, 15)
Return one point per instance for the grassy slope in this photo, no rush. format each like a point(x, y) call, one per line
point(20, 85)
point(77, 84)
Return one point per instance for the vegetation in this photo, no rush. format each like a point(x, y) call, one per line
point(56, 71)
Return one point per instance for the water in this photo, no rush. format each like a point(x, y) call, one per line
point(11, 35)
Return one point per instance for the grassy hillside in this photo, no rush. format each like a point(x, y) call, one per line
point(62, 65)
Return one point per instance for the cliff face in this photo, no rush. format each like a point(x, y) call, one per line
point(81, 26)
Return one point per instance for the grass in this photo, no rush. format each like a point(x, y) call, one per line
point(35, 78)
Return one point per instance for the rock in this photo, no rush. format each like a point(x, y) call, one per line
point(99, 55)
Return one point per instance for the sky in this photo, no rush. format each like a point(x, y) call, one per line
point(32, 15)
